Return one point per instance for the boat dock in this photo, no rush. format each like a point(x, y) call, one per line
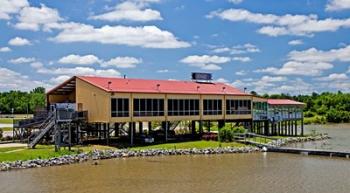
point(329, 153)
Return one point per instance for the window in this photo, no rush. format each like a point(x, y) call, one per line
point(212, 107)
point(119, 107)
point(148, 107)
point(234, 107)
point(182, 107)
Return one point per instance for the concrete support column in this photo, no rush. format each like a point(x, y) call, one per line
point(107, 133)
point(131, 132)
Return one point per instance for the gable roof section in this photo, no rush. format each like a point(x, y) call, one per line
point(284, 102)
point(159, 86)
point(64, 87)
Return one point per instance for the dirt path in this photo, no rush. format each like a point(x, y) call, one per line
point(13, 145)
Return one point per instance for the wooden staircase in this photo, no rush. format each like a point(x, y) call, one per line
point(45, 128)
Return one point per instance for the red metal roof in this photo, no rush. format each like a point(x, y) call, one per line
point(160, 86)
point(283, 102)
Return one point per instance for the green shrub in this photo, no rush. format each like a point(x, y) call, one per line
point(337, 116)
point(309, 114)
point(1, 134)
point(227, 133)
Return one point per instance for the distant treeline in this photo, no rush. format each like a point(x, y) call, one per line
point(335, 107)
point(22, 102)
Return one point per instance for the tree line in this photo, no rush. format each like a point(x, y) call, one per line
point(335, 107)
point(19, 102)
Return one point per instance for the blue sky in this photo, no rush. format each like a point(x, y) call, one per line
point(269, 46)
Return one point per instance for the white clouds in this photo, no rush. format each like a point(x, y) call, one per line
point(237, 49)
point(130, 10)
point(334, 77)
point(47, 19)
point(59, 79)
point(147, 36)
point(221, 80)
point(11, 80)
point(118, 62)
point(295, 42)
point(5, 49)
point(337, 5)
point(87, 71)
point(275, 25)
point(235, 1)
point(21, 60)
point(299, 68)
point(205, 59)
point(32, 18)
point(310, 62)
point(240, 73)
point(37, 65)
point(335, 82)
point(122, 62)
point(8, 7)
point(205, 62)
point(242, 59)
point(18, 41)
point(314, 55)
point(80, 60)
point(275, 84)
point(163, 71)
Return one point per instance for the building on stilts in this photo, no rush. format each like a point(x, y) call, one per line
point(123, 110)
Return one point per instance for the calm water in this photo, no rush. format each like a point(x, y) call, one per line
point(339, 133)
point(243, 173)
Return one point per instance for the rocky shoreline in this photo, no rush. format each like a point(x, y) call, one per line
point(289, 140)
point(126, 153)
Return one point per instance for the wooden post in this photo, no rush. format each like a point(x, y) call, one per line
point(209, 126)
point(69, 136)
point(166, 130)
point(107, 134)
point(302, 127)
point(131, 132)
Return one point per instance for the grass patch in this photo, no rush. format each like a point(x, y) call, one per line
point(317, 119)
point(6, 149)
point(6, 120)
point(6, 129)
point(41, 152)
point(191, 144)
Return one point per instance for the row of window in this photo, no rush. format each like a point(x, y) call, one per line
point(180, 107)
point(234, 107)
point(177, 107)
